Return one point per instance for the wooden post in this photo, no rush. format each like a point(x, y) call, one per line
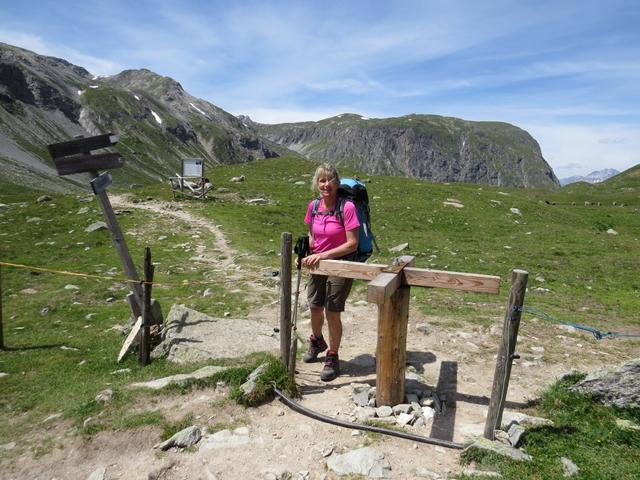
point(505, 352)
point(391, 350)
point(1, 324)
point(121, 246)
point(285, 296)
point(145, 335)
point(392, 298)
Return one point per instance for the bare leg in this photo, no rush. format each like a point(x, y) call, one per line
point(335, 330)
point(317, 321)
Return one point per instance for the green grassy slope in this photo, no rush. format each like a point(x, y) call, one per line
point(578, 271)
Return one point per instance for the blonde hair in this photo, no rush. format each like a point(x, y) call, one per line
point(325, 170)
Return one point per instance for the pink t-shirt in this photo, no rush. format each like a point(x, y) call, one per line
point(328, 233)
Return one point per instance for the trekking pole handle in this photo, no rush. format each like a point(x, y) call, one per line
point(301, 249)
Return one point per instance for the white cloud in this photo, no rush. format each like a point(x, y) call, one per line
point(577, 150)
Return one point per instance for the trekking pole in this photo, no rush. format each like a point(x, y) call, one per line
point(301, 249)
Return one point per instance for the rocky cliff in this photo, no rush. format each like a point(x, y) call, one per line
point(45, 100)
point(439, 149)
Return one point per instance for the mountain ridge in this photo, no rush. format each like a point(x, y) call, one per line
point(46, 100)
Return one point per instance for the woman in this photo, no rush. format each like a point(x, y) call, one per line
point(332, 235)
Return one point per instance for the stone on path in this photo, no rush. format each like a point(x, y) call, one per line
point(183, 439)
point(617, 386)
point(360, 393)
point(159, 383)
point(8, 446)
point(98, 474)
point(569, 468)
point(239, 437)
point(191, 336)
point(366, 461)
point(96, 226)
point(484, 444)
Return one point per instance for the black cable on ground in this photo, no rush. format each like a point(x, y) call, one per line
point(356, 426)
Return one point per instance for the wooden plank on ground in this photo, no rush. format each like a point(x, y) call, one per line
point(130, 339)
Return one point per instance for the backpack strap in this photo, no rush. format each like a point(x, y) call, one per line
point(314, 211)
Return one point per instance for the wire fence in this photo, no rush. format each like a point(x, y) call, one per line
point(598, 334)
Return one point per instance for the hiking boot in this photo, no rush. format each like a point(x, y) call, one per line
point(316, 347)
point(331, 367)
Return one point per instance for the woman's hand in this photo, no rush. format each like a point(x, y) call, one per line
point(313, 260)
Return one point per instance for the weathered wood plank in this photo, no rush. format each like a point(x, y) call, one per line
point(130, 338)
point(470, 282)
point(420, 277)
point(82, 145)
point(88, 163)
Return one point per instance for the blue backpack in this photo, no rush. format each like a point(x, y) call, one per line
point(355, 191)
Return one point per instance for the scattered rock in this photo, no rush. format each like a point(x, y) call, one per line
point(207, 293)
point(627, 425)
point(44, 312)
point(258, 201)
point(516, 432)
point(71, 287)
point(469, 472)
point(44, 198)
point(88, 422)
point(365, 461)
point(384, 411)
point(365, 413)
point(33, 219)
point(28, 291)
point(98, 474)
point(404, 418)
point(484, 444)
point(611, 231)
point(191, 336)
point(401, 408)
point(515, 211)
point(83, 210)
point(105, 396)
point(96, 226)
point(569, 469)
point(8, 446)
point(159, 383)
point(183, 439)
point(618, 386)
point(51, 417)
point(241, 178)
point(121, 370)
point(424, 328)
point(225, 439)
point(399, 248)
point(527, 421)
point(453, 204)
point(249, 386)
point(360, 393)
point(72, 349)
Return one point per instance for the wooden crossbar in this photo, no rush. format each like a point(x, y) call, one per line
point(423, 277)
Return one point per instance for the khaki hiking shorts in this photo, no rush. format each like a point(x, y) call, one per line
point(328, 292)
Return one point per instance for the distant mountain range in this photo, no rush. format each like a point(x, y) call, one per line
point(46, 100)
point(594, 177)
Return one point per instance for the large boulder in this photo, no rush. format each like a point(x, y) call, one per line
point(192, 336)
point(618, 386)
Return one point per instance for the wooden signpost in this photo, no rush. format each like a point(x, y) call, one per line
point(75, 156)
point(389, 288)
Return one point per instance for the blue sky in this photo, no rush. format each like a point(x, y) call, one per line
point(568, 72)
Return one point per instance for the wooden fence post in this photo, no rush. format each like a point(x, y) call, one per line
point(505, 352)
point(1, 324)
point(285, 296)
point(145, 335)
point(391, 350)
